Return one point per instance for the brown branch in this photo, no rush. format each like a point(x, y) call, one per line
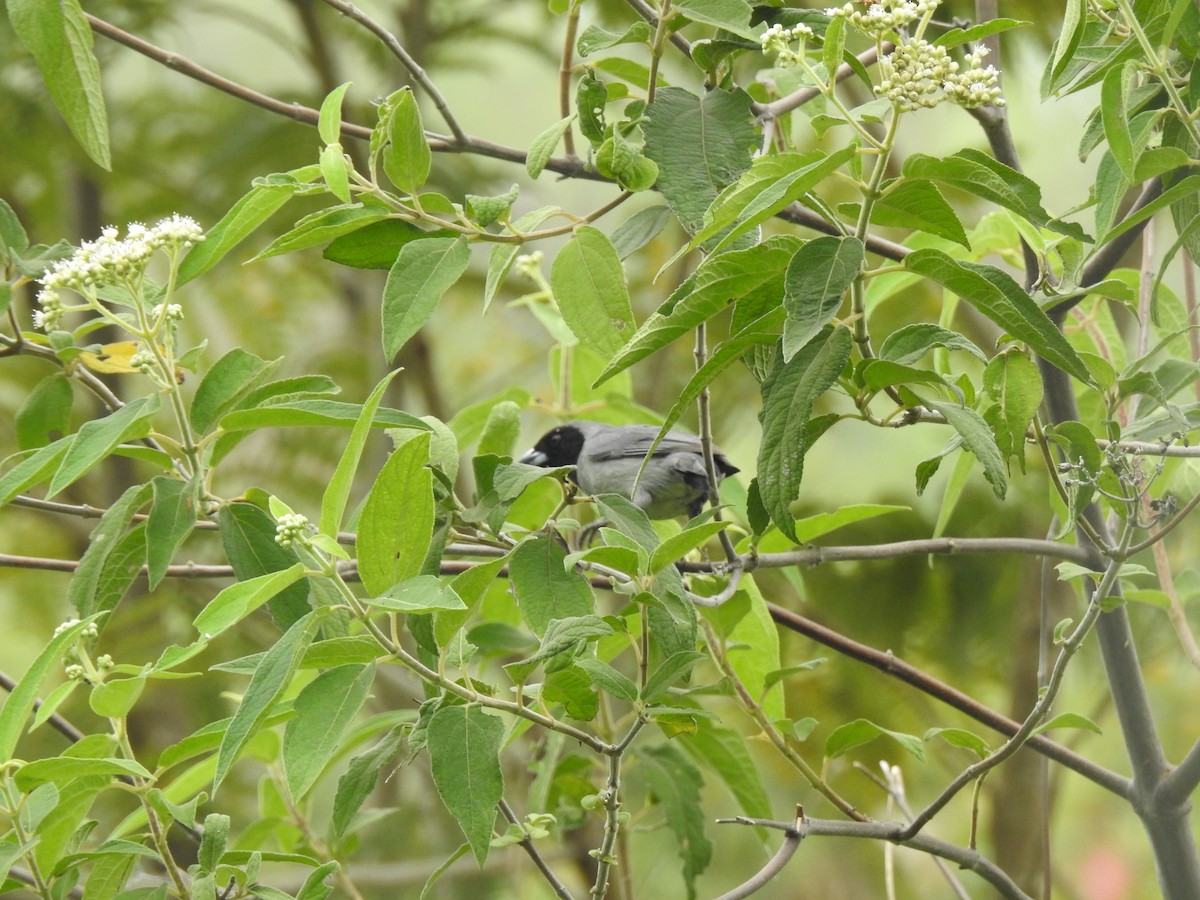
point(927, 684)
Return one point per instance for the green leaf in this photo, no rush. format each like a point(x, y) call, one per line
point(995, 294)
point(1069, 720)
point(406, 158)
point(229, 379)
point(322, 227)
point(33, 469)
point(172, 517)
point(675, 783)
point(958, 36)
point(98, 437)
point(860, 731)
point(21, 699)
point(572, 688)
point(977, 173)
point(788, 396)
point(590, 100)
point(60, 40)
point(333, 503)
point(335, 169)
point(679, 545)
point(422, 594)
point(464, 755)
point(329, 123)
point(724, 752)
point(115, 697)
point(812, 527)
point(798, 669)
point(248, 537)
point(908, 344)
point(977, 438)
point(314, 414)
point(314, 887)
point(729, 15)
point(502, 255)
point(544, 145)
point(1182, 190)
point(817, 279)
point(96, 562)
point(396, 524)
point(959, 737)
point(673, 668)
point(324, 709)
point(270, 679)
point(1013, 382)
point(718, 282)
point(564, 634)
point(917, 203)
point(754, 649)
point(46, 413)
point(639, 229)
point(240, 599)
point(360, 778)
point(589, 285)
point(13, 239)
point(544, 589)
point(485, 211)
point(423, 272)
point(609, 679)
point(254, 208)
point(62, 770)
point(596, 38)
point(701, 144)
point(1114, 100)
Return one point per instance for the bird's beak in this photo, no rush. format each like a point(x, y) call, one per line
point(534, 458)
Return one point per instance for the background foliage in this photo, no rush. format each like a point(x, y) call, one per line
point(284, 757)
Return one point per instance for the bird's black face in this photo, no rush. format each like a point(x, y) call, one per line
point(560, 446)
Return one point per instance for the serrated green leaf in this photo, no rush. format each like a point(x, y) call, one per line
point(360, 779)
point(701, 144)
point(977, 173)
point(464, 748)
point(322, 227)
point(729, 15)
point(911, 342)
point(98, 437)
point(675, 784)
point(62, 770)
point(228, 380)
point(46, 413)
point(959, 737)
point(978, 438)
point(788, 396)
point(994, 293)
point(596, 38)
point(248, 537)
point(1013, 382)
point(544, 589)
point(679, 545)
point(673, 668)
point(917, 203)
point(1114, 99)
point(724, 751)
point(817, 278)
point(423, 272)
point(609, 679)
point(314, 414)
point(329, 122)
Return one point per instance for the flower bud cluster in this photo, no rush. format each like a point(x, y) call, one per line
point(921, 75)
point(168, 312)
point(978, 85)
point(143, 360)
point(528, 264)
point(289, 528)
point(880, 19)
point(777, 41)
point(90, 631)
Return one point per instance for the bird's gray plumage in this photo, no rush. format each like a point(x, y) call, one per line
point(607, 459)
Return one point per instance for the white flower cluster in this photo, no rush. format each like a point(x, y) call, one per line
point(111, 259)
point(528, 264)
point(777, 41)
point(979, 85)
point(880, 18)
point(289, 528)
point(921, 75)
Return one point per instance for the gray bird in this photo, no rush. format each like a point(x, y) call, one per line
point(607, 458)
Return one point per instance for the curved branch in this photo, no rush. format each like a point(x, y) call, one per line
point(887, 831)
point(792, 835)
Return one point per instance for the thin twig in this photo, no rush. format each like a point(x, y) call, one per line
point(420, 76)
point(768, 112)
point(526, 844)
point(791, 843)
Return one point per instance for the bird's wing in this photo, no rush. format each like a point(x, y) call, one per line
point(636, 442)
